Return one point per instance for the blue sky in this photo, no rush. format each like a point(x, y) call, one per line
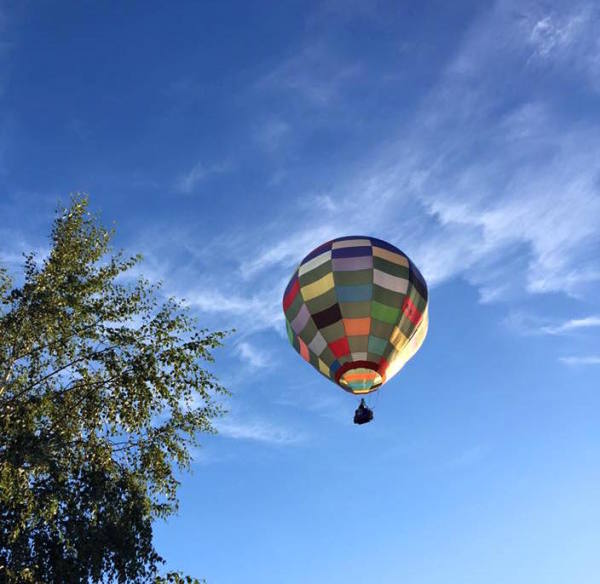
point(226, 140)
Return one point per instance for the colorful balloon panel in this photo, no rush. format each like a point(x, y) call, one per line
point(356, 310)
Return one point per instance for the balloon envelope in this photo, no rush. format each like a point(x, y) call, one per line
point(356, 310)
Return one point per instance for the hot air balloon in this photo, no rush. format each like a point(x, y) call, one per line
point(356, 310)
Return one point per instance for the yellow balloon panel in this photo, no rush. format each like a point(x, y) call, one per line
point(407, 351)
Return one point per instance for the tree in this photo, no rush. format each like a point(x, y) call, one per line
point(103, 389)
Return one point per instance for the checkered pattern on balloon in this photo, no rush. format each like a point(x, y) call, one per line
point(356, 310)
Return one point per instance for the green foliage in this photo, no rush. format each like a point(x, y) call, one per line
point(102, 393)
point(177, 578)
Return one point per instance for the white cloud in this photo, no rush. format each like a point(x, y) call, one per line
point(325, 202)
point(255, 357)
point(200, 456)
point(285, 251)
point(314, 73)
point(567, 37)
point(209, 280)
point(506, 198)
point(492, 182)
point(572, 325)
point(581, 360)
point(485, 183)
point(215, 301)
point(188, 181)
point(248, 314)
point(15, 245)
point(11, 258)
point(258, 430)
point(551, 34)
point(553, 209)
point(527, 324)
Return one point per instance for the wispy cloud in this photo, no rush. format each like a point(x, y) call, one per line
point(524, 178)
point(188, 181)
point(527, 324)
point(314, 74)
point(553, 34)
point(255, 357)
point(573, 325)
point(284, 250)
point(251, 313)
point(581, 360)
point(201, 456)
point(259, 430)
point(471, 182)
point(498, 187)
point(207, 278)
point(568, 36)
point(16, 244)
